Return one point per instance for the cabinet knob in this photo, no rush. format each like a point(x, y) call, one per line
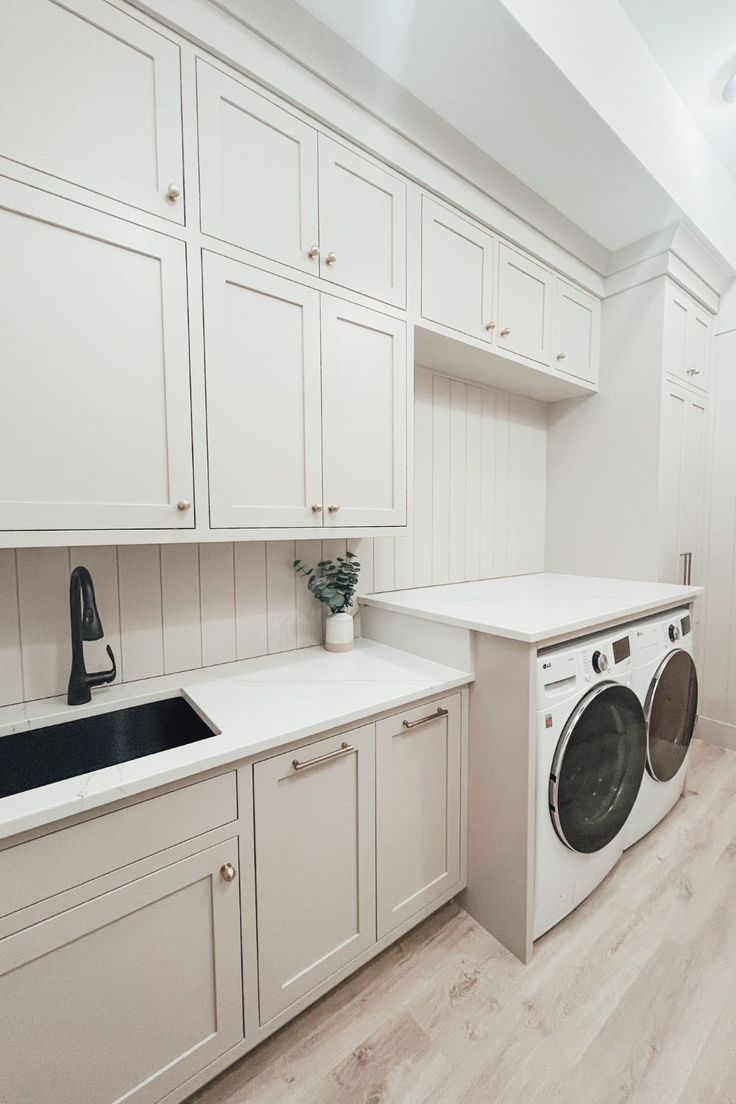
point(561, 356)
point(330, 258)
point(333, 509)
point(693, 371)
point(505, 332)
point(317, 508)
point(228, 872)
point(490, 325)
point(183, 504)
point(173, 192)
point(313, 253)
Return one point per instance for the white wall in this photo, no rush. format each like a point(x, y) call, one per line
point(479, 509)
point(718, 689)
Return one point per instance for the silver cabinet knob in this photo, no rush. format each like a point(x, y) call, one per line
point(330, 258)
point(561, 356)
point(333, 509)
point(173, 191)
point(693, 371)
point(505, 332)
point(490, 325)
point(317, 508)
point(313, 253)
point(184, 504)
point(228, 872)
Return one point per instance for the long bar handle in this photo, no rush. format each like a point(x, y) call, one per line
point(425, 720)
point(687, 568)
point(344, 749)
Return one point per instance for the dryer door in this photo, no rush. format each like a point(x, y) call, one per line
point(598, 767)
point(671, 711)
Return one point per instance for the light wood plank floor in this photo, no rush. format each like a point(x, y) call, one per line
point(632, 998)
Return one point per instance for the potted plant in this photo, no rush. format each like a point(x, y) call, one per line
point(333, 583)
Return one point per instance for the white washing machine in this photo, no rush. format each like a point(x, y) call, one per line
point(664, 678)
point(591, 754)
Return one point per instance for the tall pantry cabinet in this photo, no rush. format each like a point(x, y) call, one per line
point(626, 469)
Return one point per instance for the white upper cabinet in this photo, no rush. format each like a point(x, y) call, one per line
point(257, 172)
point(524, 317)
point(456, 272)
point(262, 363)
point(688, 338)
point(364, 410)
point(270, 184)
point(92, 97)
point(315, 864)
point(362, 215)
point(418, 808)
point(95, 398)
point(576, 331)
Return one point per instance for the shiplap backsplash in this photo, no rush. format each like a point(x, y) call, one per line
point(480, 471)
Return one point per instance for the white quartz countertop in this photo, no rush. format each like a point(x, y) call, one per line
point(254, 706)
point(535, 608)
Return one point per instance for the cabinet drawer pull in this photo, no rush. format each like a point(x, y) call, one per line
point(228, 872)
point(344, 749)
point(425, 720)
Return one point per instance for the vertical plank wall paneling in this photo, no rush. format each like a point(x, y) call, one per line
point(480, 471)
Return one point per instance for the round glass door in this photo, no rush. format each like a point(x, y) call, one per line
point(598, 767)
point(671, 710)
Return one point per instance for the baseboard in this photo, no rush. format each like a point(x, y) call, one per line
point(717, 732)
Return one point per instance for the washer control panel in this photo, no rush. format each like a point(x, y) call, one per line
point(605, 656)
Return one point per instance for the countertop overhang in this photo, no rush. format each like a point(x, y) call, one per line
point(535, 608)
point(254, 706)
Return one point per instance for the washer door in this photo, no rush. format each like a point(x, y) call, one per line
point(671, 710)
point(598, 767)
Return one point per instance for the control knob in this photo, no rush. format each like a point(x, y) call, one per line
point(600, 662)
point(674, 633)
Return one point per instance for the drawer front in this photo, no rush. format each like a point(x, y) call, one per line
point(33, 871)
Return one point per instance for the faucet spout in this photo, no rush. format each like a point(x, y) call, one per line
point(85, 624)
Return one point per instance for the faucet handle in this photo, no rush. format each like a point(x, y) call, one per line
point(99, 678)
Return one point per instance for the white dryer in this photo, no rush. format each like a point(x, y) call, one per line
point(664, 677)
point(591, 753)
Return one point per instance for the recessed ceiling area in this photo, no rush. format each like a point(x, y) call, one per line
point(695, 44)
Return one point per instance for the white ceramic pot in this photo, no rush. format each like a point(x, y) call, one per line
point(339, 632)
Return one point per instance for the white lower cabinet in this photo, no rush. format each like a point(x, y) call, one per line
point(418, 809)
point(315, 864)
point(127, 996)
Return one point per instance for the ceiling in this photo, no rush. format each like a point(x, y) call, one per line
point(473, 65)
point(694, 42)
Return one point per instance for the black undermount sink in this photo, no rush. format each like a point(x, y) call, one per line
point(39, 756)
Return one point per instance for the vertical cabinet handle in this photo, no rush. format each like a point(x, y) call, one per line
point(687, 568)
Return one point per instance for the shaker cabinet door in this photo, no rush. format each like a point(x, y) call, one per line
point(91, 96)
point(682, 485)
point(457, 272)
point(418, 805)
point(257, 172)
point(262, 365)
point(364, 411)
point(362, 215)
point(577, 332)
point(95, 405)
point(525, 291)
point(315, 872)
point(126, 997)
